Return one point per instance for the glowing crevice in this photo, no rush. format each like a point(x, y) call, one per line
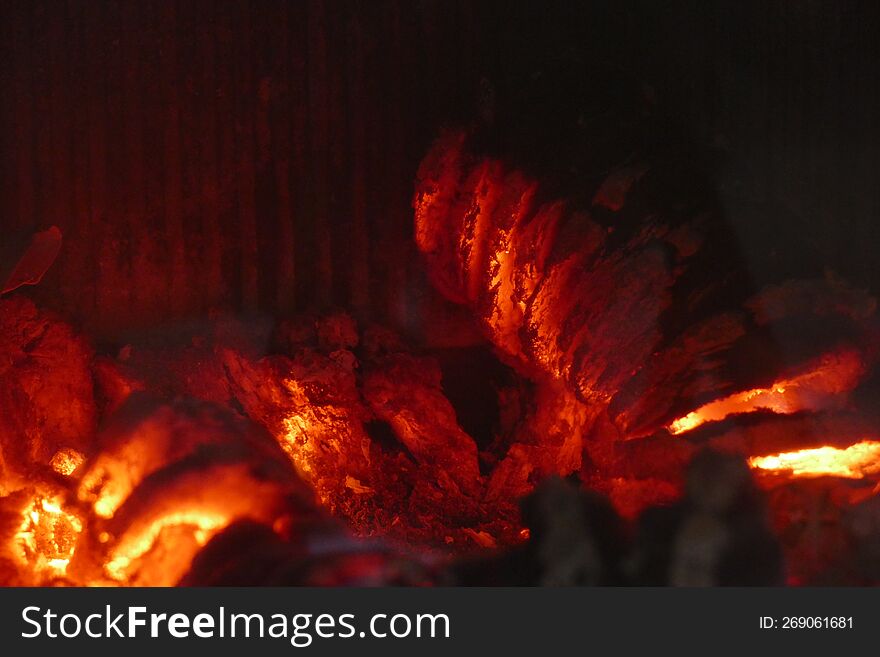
point(854, 462)
point(204, 525)
point(833, 375)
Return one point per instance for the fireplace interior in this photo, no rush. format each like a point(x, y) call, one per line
point(439, 293)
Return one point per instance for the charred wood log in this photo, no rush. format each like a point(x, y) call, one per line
point(596, 257)
point(47, 402)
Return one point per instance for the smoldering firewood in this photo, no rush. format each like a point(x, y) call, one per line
point(372, 432)
point(311, 399)
point(168, 474)
point(547, 440)
point(769, 433)
point(617, 315)
point(622, 293)
point(206, 491)
point(309, 402)
point(406, 392)
point(717, 535)
point(148, 434)
point(621, 287)
point(46, 393)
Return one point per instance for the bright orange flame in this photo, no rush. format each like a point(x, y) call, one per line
point(854, 462)
point(834, 374)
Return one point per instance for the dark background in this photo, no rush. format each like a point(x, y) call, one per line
point(260, 156)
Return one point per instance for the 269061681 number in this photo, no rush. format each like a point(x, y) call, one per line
point(816, 622)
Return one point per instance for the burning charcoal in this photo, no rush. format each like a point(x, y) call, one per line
point(405, 392)
point(46, 391)
point(564, 298)
point(619, 299)
point(39, 532)
point(167, 477)
point(311, 405)
point(147, 434)
point(538, 272)
point(171, 515)
point(384, 452)
point(717, 535)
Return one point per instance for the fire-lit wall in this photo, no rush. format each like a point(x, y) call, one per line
point(246, 155)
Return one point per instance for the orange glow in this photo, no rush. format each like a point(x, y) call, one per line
point(47, 536)
point(308, 433)
point(775, 398)
point(854, 462)
point(834, 374)
point(66, 461)
point(203, 526)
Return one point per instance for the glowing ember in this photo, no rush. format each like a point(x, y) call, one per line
point(835, 374)
point(775, 398)
point(66, 461)
point(854, 462)
point(202, 524)
point(47, 536)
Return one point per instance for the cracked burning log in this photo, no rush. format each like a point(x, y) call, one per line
point(597, 308)
point(606, 275)
point(376, 437)
point(621, 300)
point(161, 481)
